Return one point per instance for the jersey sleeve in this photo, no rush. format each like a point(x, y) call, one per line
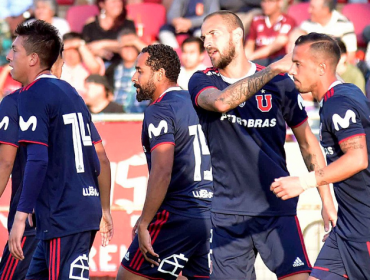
point(159, 123)
point(33, 118)
point(95, 137)
point(9, 121)
point(342, 118)
point(198, 83)
point(293, 110)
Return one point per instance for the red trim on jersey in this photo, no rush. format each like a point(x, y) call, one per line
point(162, 144)
point(16, 263)
point(294, 273)
point(203, 89)
point(33, 142)
point(345, 276)
point(302, 122)
point(205, 71)
point(302, 242)
point(7, 143)
point(30, 85)
point(368, 247)
point(58, 258)
point(97, 142)
point(329, 94)
point(142, 275)
point(360, 134)
point(321, 268)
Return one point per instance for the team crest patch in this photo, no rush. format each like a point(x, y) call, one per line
point(79, 269)
point(173, 264)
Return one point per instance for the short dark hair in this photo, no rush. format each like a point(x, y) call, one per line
point(232, 20)
point(342, 46)
point(321, 43)
point(163, 56)
point(71, 36)
point(192, 39)
point(331, 4)
point(41, 38)
point(100, 80)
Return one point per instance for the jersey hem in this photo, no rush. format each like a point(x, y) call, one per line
point(8, 143)
point(203, 89)
point(97, 142)
point(53, 236)
point(259, 214)
point(171, 143)
point(294, 273)
point(201, 215)
point(302, 122)
point(33, 142)
point(359, 134)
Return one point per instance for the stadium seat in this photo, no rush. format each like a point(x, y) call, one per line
point(78, 15)
point(359, 14)
point(299, 12)
point(65, 2)
point(151, 15)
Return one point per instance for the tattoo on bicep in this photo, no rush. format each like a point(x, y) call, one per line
point(242, 90)
point(352, 144)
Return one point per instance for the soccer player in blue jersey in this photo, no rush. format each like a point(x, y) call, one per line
point(345, 137)
point(173, 231)
point(60, 174)
point(12, 161)
point(246, 139)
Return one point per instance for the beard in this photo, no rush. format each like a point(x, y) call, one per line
point(146, 91)
point(226, 58)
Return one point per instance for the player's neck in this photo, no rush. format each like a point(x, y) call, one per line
point(274, 17)
point(34, 75)
point(323, 21)
point(322, 87)
point(238, 67)
point(161, 88)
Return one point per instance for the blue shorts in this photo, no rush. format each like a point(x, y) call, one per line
point(342, 259)
point(12, 269)
point(182, 244)
point(65, 257)
point(237, 238)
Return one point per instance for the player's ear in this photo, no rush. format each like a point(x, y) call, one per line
point(34, 58)
point(322, 68)
point(237, 35)
point(161, 74)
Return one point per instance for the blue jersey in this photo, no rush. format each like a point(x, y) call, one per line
point(9, 126)
point(51, 113)
point(345, 113)
point(247, 144)
point(172, 119)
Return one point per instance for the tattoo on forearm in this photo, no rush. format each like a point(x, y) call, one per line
point(311, 162)
point(321, 174)
point(352, 144)
point(242, 90)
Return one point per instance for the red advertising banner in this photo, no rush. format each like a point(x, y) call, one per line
point(122, 141)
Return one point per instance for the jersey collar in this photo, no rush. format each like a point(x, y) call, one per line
point(51, 76)
point(164, 93)
point(231, 81)
point(330, 87)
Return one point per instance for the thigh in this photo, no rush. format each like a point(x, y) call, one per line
point(11, 268)
point(280, 243)
point(232, 251)
point(176, 239)
point(38, 269)
point(329, 263)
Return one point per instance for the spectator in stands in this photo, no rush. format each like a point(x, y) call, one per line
point(185, 17)
point(246, 10)
point(101, 32)
point(5, 41)
point(15, 11)
point(192, 57)
point(366, 35)
point(325, 19)
point(98, 96)
point(268, 33)
point(120, 72)
point(348, 72)
point(47, 10)
point(79, 62)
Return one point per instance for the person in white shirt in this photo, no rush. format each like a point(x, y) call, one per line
point(192, 57)
point(325, 19)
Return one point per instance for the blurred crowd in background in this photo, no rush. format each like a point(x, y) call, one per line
point(102, 39)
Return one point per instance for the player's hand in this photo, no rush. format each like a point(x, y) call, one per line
point(329, 215)
point(134, 229)
point(145, 245)
point(106, 228)
point(283, 65)
point(15, 237)
point(325, 237)
point(286, 187)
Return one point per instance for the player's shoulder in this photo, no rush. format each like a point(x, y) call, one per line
point(11, 98)
point(287, 18)
point(343, 93)
point(280, 79)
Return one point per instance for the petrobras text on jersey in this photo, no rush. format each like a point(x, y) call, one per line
point(249, 122)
